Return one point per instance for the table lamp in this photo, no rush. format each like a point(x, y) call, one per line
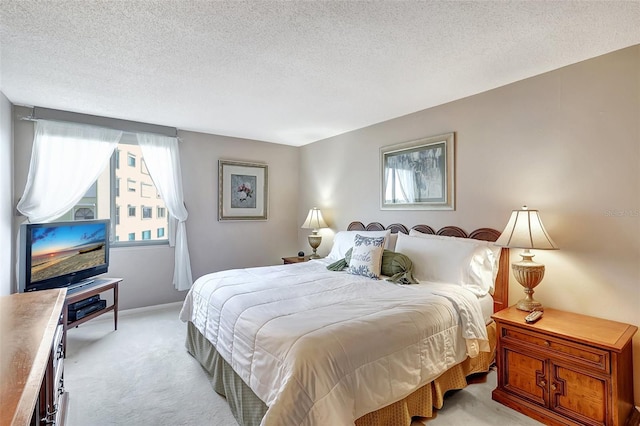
point(314, 221)
point(525, 230)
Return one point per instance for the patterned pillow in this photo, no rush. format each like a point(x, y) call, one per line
point(366, 257)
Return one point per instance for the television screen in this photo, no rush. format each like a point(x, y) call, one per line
point(62, 253)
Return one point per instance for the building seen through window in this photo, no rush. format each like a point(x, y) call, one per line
point(144, 209)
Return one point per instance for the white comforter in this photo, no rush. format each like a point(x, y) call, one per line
point(324, 348)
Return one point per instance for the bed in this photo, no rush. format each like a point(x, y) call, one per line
point(303, 345)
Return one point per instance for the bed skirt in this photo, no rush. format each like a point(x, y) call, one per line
point(248, 409)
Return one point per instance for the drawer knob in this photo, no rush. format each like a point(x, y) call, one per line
point(543, 383)
point(546, 343)
point(553, 386)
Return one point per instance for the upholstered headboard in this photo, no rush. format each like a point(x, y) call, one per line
point(501, 292)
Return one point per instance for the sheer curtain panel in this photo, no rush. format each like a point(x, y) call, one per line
point(66, 160)
point(162, 158)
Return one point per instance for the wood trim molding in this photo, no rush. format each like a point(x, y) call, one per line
point(375, 226)
point(396, 228)
point(425, 229)
point(356, 226)
point(452, 231)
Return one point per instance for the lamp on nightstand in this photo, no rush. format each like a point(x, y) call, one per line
point(525, 230)
point(314, 221)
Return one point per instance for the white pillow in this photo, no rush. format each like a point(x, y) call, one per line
point(438, 260)
point(366, 257)
point(483, 265)
point(343, 241)
point(391, 242)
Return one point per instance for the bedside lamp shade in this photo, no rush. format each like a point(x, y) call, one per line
point(314, 221)
point(525, 230)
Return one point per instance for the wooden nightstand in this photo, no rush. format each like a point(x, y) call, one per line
point(295, 259)
point(565, 369)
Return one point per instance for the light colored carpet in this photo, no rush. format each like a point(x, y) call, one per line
point(142, 375)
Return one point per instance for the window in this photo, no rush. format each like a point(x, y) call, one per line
point(84, 213)
point(106, 200)
point(147, 190)
point(147, 212)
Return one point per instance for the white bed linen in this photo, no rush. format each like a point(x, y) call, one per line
point(486, 306)
point(324, 348)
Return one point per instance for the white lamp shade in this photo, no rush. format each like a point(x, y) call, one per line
point(525, 230)
point(314, 220)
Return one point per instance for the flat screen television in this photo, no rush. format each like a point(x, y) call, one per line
point(59, 254)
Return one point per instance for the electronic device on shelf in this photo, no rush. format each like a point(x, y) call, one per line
point(533, 317)
point(82, 303)
point(60, 254)
point(76, 314)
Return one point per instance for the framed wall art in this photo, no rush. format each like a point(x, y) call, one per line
point(243, 190)
point(418, 175)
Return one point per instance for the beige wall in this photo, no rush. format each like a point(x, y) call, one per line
point(217, 245)
point(6, 196)
point(148, 271)
point(566, 143)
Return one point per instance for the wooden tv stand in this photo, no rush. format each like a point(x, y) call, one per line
point(100, 285)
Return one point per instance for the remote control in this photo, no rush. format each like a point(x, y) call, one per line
point(533, 317)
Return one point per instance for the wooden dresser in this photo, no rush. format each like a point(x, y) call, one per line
point(565, 369)
point(31, 359)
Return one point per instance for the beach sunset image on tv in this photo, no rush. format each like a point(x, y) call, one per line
point(61, 250)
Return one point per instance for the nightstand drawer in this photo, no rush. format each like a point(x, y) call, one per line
point(580, 354)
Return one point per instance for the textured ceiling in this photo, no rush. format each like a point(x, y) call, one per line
point(289, 72)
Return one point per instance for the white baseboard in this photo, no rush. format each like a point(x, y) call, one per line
point(136, 311)
point(152, 308)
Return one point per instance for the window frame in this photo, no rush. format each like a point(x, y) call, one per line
point(113, 204)
point(142, 210)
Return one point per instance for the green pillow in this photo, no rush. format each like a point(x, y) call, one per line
point(339, 265)
point(398, 267)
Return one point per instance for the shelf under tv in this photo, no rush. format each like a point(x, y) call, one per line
point(100, 285)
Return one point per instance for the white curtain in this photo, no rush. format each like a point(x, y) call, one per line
point(163, 162)
point(66, 160)
point(399, 182)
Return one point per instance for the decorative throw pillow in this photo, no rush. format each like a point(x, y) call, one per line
point(398, 267)
point(339, 265)
point(343, 241)
point(366, 257)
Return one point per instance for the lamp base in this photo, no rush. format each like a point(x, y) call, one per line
point(314, 242)
point(529, 274)
point(529, 305)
